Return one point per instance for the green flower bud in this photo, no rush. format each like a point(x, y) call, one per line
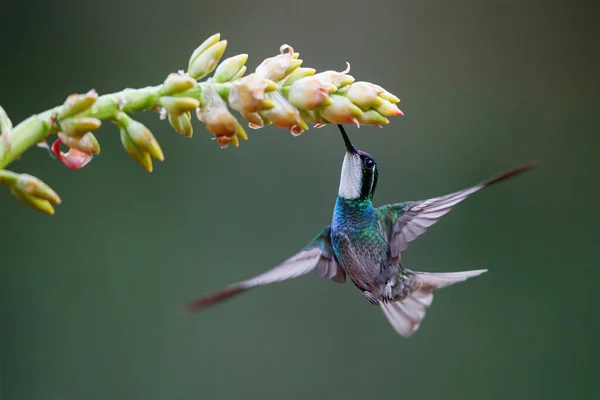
point(341, 111)
point(205, 45)
point(77, 103)
point(176, 83)
point(79, 126)
point(178, 105)
point(205, 59)
point(139, 155)
point(230, 68)
point(298, 73)
point(135, 134)
point(280, 66)
point(86, 143)
point(34, 187)
point(313, 116)
point(372, 117)
point(5, 132)
point(34, 202)
point(284, 115)
point(182, 124)
point(5, 122)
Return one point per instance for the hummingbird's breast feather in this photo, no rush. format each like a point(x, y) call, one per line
point(364, 255)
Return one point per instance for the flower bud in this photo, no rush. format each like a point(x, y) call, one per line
point(367, 95)
point(5, 122)
point(298, 73)
point(139, 155)
point(247, 94)
point(284, 115)
point(280, 66)
point(178, 105)
point(254, 119)
point(79, 126)
point(34, 202)
point(341, 111)
point(372, 117)
point(230, 68)
point(206, 57)
point(338, 79)
point(217, 118)
point(310, 92)
point(86, 143)
point(182, 124)
point(313, 117)
point(5, 132)
point(77, 103)
point(34, 187)
point(140, 136)
point(176, 83)
point(388, 109)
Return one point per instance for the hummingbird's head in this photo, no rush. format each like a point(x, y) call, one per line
point(359, 172)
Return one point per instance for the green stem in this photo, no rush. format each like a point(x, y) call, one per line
point(39, 127)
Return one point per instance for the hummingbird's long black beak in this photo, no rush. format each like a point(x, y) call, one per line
point(349, 146)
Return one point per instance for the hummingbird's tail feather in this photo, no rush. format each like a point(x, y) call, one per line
point(406, 315)
point(213, 298)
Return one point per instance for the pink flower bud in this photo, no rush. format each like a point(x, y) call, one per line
point(247, 94)
point(311, 92)
point(280, 66)
point(341, 111)
point(284, 115)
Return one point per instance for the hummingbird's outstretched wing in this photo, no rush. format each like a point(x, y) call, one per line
point(318, 254)
point(404, 222)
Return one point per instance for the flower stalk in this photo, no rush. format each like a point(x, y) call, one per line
point(279, 92)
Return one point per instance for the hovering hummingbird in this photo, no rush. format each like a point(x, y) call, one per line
point(365, 243)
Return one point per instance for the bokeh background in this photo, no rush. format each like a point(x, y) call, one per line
point(91, 298)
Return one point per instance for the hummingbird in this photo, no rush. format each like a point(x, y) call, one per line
point(364, 243)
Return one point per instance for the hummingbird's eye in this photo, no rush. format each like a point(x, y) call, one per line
point(369, 163)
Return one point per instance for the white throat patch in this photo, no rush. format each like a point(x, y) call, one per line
point(351, 179)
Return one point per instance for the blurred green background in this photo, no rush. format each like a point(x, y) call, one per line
point(91, 298)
